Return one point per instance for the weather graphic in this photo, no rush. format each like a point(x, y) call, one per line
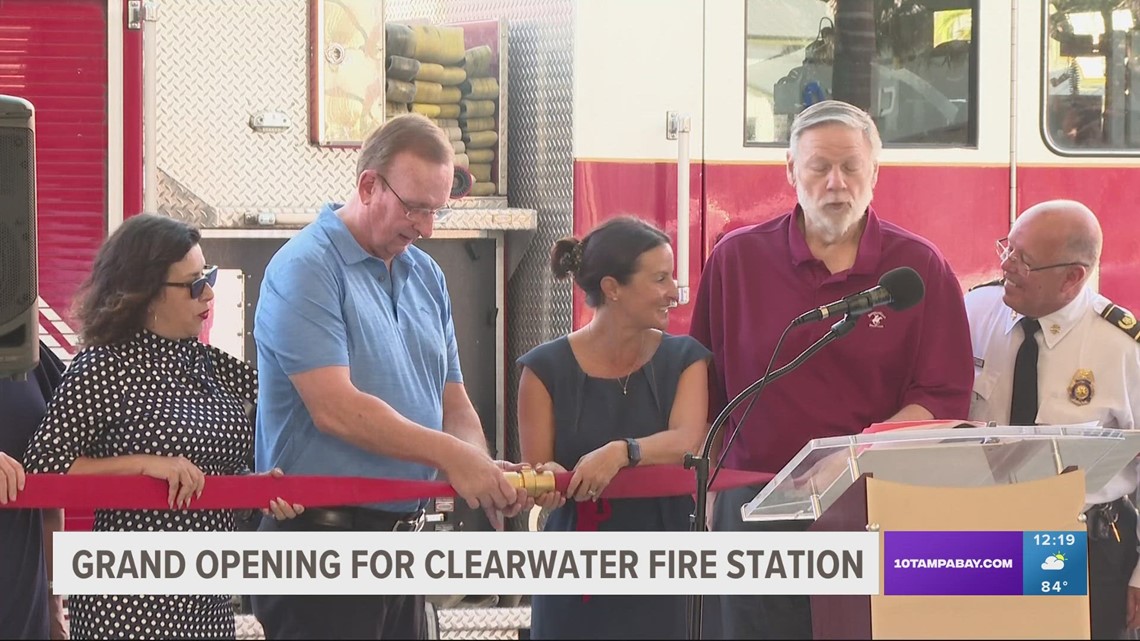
point(1054, 562)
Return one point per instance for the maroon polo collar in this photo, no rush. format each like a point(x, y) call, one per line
point(870, 243)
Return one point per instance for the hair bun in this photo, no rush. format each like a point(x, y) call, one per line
point(573, 258)
point(566, 257)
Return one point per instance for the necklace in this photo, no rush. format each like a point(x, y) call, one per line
point(625, 384)
point(623, 381)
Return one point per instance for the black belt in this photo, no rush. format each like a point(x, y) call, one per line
point(364, 519)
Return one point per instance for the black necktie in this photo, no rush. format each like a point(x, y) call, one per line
point(1023, 405)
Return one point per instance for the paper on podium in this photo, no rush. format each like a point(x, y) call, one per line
point(932, 454)
point(875, 428)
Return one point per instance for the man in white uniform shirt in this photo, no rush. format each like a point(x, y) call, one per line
point(1049, 350)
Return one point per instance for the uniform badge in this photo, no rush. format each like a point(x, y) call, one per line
point(1054, 329)
point(1128, 321)
point(1081, 387)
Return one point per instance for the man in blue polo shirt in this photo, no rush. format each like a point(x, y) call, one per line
point(359, 371)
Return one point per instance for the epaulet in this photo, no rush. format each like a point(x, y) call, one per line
point(999, 281)
point(1123, 319)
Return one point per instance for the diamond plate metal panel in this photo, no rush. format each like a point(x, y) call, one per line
point(458, 620)
point(514, 218)
point(248, 627)
point(540, 47)
point(176, 201)
point(219, 63)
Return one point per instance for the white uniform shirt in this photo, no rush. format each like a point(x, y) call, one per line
point(1075, 345)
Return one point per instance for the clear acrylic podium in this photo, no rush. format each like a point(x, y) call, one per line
point(967, 479)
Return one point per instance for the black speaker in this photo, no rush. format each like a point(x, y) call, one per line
point(19, 329)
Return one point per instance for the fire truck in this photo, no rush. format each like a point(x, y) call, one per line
point(225, 114)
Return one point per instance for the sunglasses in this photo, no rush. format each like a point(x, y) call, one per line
point(209, 277)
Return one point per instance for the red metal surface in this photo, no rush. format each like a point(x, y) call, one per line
point(961, 209)
point(54, 54)
point(132, 121)
point(1111, 193)
point(648, 190)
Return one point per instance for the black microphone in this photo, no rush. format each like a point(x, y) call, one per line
point(899, 289)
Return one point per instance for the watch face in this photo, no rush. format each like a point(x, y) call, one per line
point(633, 449)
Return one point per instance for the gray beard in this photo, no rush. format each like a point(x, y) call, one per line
point(831, 230)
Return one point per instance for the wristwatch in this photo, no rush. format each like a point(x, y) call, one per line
point(633, 450)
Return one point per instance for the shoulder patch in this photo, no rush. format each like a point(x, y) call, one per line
point(992, 283)
point(1123, 319)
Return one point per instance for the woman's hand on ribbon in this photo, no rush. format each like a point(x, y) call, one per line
point(595, 470)
point(186, 481)
point(554, 499)
point(12, 478)
point(279, 507)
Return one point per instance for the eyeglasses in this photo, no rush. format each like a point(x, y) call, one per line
point(1018, 264)
point(416, 212)
point(209, 277)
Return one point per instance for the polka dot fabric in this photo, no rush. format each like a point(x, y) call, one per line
point(151, 395)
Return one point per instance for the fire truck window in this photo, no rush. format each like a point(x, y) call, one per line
point(1092, 97)
point(909, 63)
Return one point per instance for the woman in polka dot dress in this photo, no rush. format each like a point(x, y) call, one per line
point(144, 396)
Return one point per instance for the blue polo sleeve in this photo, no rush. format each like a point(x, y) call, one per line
point(454, 373)
point(300, 318)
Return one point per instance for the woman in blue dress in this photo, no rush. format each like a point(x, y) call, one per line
point(616, 393)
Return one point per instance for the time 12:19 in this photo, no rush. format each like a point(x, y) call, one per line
point(1054, 539)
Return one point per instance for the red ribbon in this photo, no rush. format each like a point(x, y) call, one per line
point(591, 514)
point(82, 492)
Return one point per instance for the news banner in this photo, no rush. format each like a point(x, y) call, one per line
point(821, 563)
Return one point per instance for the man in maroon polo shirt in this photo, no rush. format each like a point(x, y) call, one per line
point(894, 365)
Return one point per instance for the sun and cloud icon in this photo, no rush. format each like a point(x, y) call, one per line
point(1054, 562)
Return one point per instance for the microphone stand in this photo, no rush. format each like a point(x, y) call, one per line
point(701, 463)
